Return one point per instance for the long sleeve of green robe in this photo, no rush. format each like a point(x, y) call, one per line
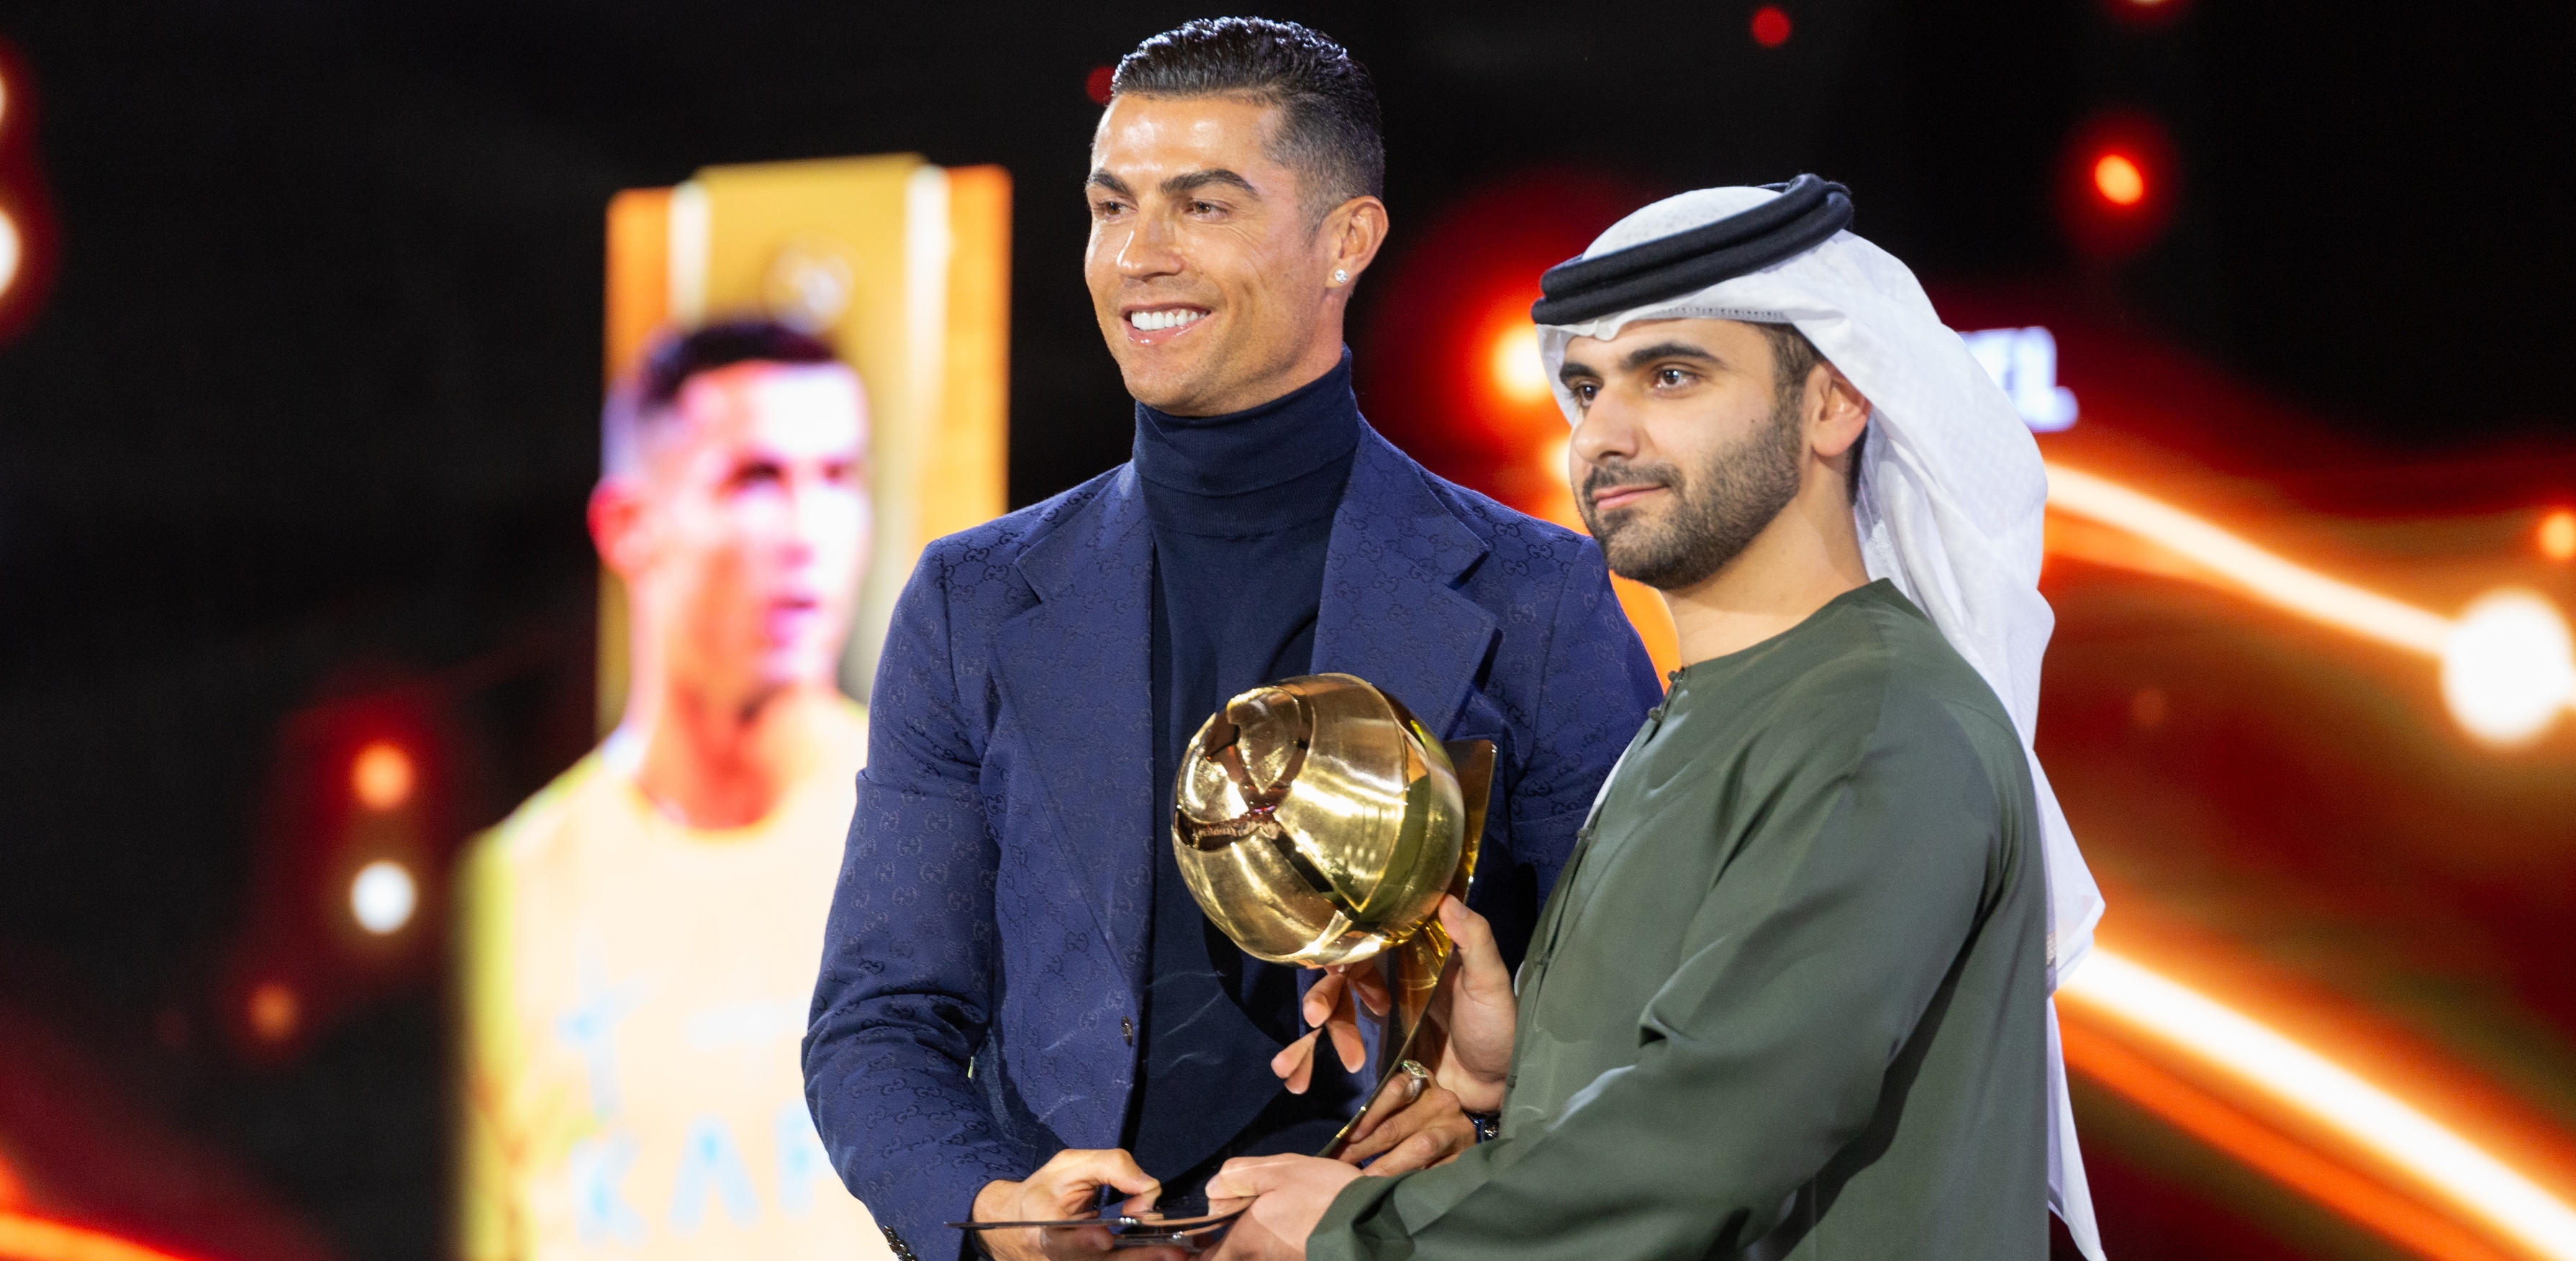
point(1789, 998)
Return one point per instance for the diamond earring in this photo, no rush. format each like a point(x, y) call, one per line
point(1341, 277)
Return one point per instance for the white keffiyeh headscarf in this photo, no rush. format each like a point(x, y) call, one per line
point(1952, 495)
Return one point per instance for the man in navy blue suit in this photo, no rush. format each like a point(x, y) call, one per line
point(1017, 990)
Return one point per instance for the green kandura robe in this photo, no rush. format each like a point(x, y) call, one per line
point(1788, 999)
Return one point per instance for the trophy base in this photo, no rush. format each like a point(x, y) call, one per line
point(1193, 1225)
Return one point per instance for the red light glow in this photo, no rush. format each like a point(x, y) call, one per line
point(381, 776)
point(274, 1011)
point(1770, 26)
point(1098, 84)
point(2117, 177)
point(2145, 13)
point(27, 237)
point(25, 1238)
point(2557, 535)
point(12, 247)
point(2120, 179)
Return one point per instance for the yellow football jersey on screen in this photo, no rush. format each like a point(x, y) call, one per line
point(635, 992)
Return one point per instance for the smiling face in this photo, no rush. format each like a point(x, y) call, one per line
point(1213, 287)
point(1687, 450)
point(742, 533)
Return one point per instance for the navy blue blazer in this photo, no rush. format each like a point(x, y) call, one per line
point(983, 966)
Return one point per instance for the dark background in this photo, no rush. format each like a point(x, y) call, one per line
point(310, 412)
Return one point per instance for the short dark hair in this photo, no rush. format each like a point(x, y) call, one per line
point(1793, 358)
point(1330, 129)
point(645, 398)
point(676, 358)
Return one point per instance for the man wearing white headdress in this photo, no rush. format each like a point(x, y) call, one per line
point(1791, 996)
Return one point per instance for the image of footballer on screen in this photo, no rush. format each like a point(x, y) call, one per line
point(639, 937)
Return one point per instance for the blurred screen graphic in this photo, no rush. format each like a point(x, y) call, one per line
point(637, 948)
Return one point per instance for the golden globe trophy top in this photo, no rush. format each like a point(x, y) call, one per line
point(1318, 822)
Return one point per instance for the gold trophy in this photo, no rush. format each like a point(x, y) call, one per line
point(1318, 822)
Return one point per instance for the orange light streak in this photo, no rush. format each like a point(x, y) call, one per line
point(2261, 573)
point(2374, 1120)
point(26, 1238)
point(2508, 663)
point(2359, 1198)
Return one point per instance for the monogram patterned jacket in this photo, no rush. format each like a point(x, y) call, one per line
point(983, 966)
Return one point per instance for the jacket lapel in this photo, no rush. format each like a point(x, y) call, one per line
point(1075, 666)
point(1074, 670)
point(1391, 611)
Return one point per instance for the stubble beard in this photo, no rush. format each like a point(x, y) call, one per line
point(1717, 510)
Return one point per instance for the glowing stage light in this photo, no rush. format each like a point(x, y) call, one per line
point(1770, 26)
point(1519, 372)
point(2386, 1126)
point(12, 251)
point(2557, 535)
point(2508, 667)
point(381, 776)
point(274, 1011)
point(383, 896)
point(2116, 176)
point(2119, 180)
point(1100, 83)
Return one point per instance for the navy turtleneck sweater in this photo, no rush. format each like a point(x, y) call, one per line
point(1241, 507)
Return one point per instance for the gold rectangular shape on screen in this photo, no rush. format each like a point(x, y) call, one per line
point(904, 267)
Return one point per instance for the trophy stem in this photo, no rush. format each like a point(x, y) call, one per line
point(1414, 973)
point(1415, 970)
point(1425, 961)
